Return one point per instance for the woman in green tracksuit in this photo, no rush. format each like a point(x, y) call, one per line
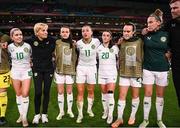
point(155, 67)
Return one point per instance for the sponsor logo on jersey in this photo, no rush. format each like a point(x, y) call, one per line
point(26, 50)
point(93, 46)
point(36, 43)
point(163, 39)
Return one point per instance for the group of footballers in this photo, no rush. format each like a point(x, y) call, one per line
point(137, 60)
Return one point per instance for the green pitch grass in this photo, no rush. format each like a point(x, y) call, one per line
point(171, 110)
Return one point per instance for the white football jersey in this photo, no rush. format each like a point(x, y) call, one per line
point(20, 55)
point(107, 61)
point(87, 52)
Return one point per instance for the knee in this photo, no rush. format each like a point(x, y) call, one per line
point(148, 93)
point(103, 91)
point(18, 93)
point(60, 92)
point(159, 94)
point(69, 91)
point(46, 91)
point(25, 94)
point(135, 95)
point(90, 92)
point(122, 96)
point(80, 92)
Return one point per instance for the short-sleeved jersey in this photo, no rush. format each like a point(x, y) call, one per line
point(155, 46)
point(107, 60)
point(87, 52)
point(20, 55)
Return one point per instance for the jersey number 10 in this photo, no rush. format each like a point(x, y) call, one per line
point(19, 55)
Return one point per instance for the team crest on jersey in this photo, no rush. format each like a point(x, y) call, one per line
point(93, 46)
point(111, 50)
point(26, 50)
point(67, 51)
point(130, 51)
point(163, 39)
point(36, 43)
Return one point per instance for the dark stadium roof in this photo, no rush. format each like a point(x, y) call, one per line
point(150, 1)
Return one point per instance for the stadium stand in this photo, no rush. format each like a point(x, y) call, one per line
point(100, 14)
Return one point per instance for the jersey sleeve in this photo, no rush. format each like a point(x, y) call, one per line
point(116, 49)
point(9, 47)
point(97, 42)
point(98, 51)
point(78, 44)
